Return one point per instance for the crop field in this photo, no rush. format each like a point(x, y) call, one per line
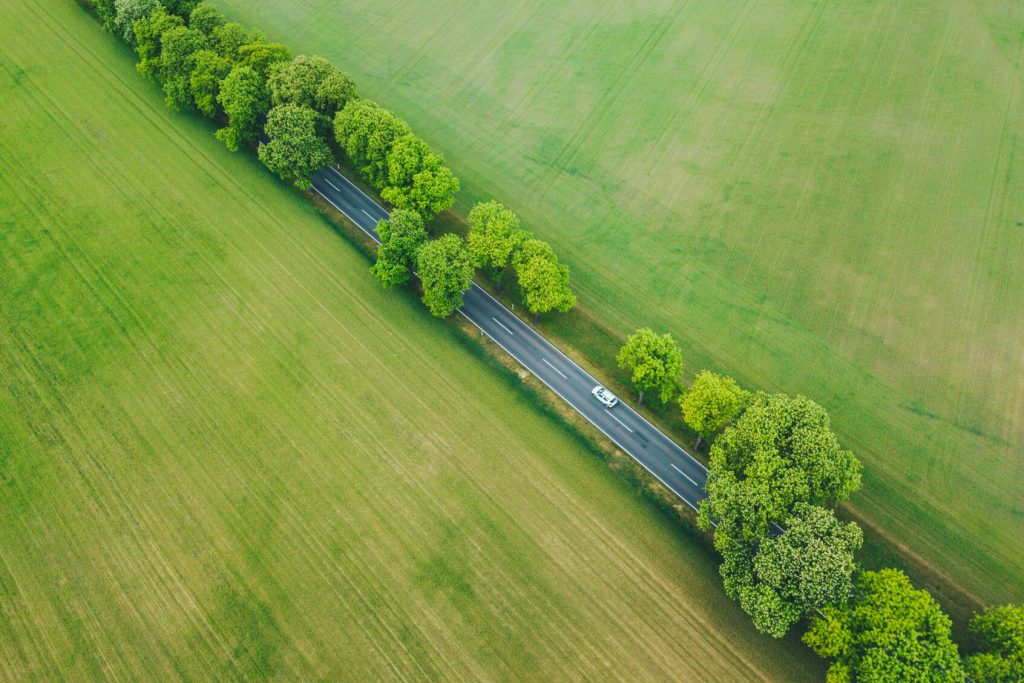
point(823, 198)
point(225, 453)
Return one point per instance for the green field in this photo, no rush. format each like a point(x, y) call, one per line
point(226, 453)
point(823, 198)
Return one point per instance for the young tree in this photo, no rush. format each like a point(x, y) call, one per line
point(780, 452)
point(494, 236)
point(148, 32)
point(244, 97)
point(656, 362)
point(367, 131)
point(417, 178)
point(126, 13)
point(888, 632)
point(310, 82)
point(261, 56)
point(446, 272)
point(209, 71)
point(178, 48)
point(295, 151)
point(206, 18)
point(401, 237)
point(793, 575)
point(1000, 630)
point(711, 404)
point(543, 281)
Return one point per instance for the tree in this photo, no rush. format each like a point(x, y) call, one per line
point(182, 8)
point(656, 361)
point(126, 13)
point(310, 82)
point(780, 452)
point(401, 237)
point(148, 32)
point(543, 281)
point(228, 38)
point(417, 178)
point(446, 272)
point(244, 97)
point(178, 47)
point(206, 18)
point(711, 404)
point(888, 632)
point(793, 575)
point(208, 72)
point(261, 56)
point(295, 150)
point(107, 14)
point(334, 92)
point(1000, 630)
point(366, 132)
point(494, 236)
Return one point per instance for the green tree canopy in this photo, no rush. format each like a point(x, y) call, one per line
point(229, 37)
point(182, 8)
point(711, 403)
point(126, 13)
point(366, 132)
point(494, 236)
point(148, 32)
point(417, 178)
point(401, 237)
point(261, 56)
point(209, 71)
point(206, 18)
point(792, 575)
point(244, 97)
point(888, 632)
point(446, 272)
point(543, 281)
point(295, 150)
point(107, 14)
point(780, 452)
point(310, 82)
point(655, 360)
point(178, 48)
point(1000, 630)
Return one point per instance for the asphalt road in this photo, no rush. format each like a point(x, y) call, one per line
point(644, 442)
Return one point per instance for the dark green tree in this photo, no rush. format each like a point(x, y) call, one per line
point(206, 18)
point(182, 8)
point(295, 150)
point(148, 32)
point(401, 237)
point(1000, 631)
point(261, 56)
point(244, 97)
point(446, 272)
point(178, 48)
point(228, 38)
point(655, 361)
point(366, 132)
point(310, 82)
point(208, 72)
point(542, 280)
point(887, 632)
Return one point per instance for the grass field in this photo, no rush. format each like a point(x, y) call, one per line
point(823, 198)
point(225, 453)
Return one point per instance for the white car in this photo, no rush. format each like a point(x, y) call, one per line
point(604, 396)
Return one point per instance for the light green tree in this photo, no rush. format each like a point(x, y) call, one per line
point(366, 132)
point(178, 48)
point(542, 280)
point(494, 236)
point(1000, 631)
point(310, 82)
point(261, 56)
point(888, 631)
point(229, 37)
point(244, 97)
point(711, 404)
point(401, 237)
point(417, 178)
point(148, 31)
point(206, 18)
point(295, 150)
point(208, 72)
point(656, 362)
point(787, 577)
point(446, 272)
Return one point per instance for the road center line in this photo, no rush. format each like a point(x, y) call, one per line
point(618, 420)
point(369, 216)
point(502, 326)
point(554, 368)
point(336, 188)
point(684, 474)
